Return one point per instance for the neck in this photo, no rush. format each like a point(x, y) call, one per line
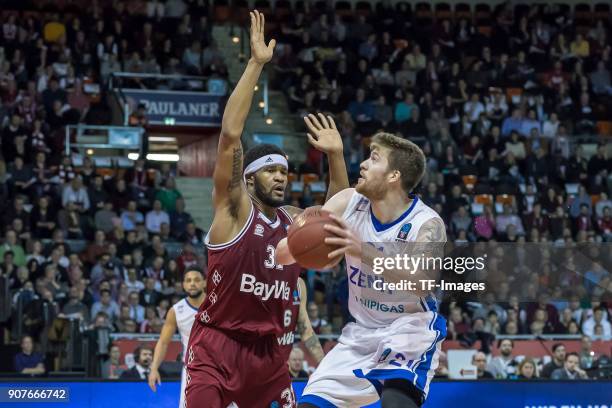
point(196, 302)
point(268, 211)
point(391, 207)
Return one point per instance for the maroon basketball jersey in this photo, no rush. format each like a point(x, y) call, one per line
point(249, 296)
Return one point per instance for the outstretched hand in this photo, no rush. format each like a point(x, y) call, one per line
point(323, 134)
point(260, 52)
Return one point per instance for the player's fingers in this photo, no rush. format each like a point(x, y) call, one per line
point(335, 241)
point(334, 229)
point(315, 121)
point(256, 29)
point(310, 125)
point(337, 252)
point(312, 140)
point(323, 120)
point(262, 24)
point(339, 220)
point(253, 25)
point(331, 122)
point(272, 44)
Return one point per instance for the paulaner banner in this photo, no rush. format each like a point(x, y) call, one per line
point(178, 107)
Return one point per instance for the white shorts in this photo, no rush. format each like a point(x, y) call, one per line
point(352, 374)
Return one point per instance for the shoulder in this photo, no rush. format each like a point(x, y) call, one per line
point(342, 201)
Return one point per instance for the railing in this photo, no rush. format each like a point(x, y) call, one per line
point(125, 138)
point(167, 82)
point(5, 299)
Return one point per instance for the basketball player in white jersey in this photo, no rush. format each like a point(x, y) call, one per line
point(391, 352)
point(180, 316)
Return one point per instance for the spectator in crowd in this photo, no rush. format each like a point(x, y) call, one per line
point(27, 361)
point(503, 365)
point(479, 359)
point(156, 217)
point(598, 319)
point(179, 218)
point(107, 305)
point(168, 195)
point(113, 368)
point(557, 362)
point(296, 363)
point(104, 218)
point(587, 355)
point(75, 308)
point(131, 217)
point(571, 369)
point(318, 324)
point(527, 370)
point(149, 296)
point(143, 357)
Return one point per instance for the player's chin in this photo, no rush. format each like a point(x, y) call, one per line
point(361, 187)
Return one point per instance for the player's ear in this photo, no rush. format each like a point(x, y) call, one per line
point(250, 180)
point(394, 176)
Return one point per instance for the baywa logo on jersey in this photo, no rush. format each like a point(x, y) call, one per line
point(402, 235)
point(277, 290)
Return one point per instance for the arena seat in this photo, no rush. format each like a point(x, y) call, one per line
point(595, 198)
point(583, 14)
point(282, 9)
point(482, 14)
point(423, 14)
point(463, 10)
point(363, 8)
point(443, 11)
point(484, 199)
point(505, 199)
point(310, 178)
point(221, 11)
point(469, 181)
point(604, 128)
point(602, 11)
point(343, 8)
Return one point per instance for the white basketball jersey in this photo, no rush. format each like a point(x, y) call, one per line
point(185, 315)
point(374, 307)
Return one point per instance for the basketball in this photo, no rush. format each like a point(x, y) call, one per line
point(306, 238)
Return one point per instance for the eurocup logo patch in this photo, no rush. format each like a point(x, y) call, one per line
point(402, 235)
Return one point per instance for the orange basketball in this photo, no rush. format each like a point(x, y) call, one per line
point(306, 238)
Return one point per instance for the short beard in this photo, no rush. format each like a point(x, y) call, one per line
point(196, 295)
point(372, 192)
point(261, 195)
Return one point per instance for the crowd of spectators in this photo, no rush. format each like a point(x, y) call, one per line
point(496, 112)
point(81, 242)
point(502, 114)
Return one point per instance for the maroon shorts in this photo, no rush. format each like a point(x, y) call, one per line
point(221, 370)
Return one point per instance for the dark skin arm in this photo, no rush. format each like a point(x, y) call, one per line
point(230, 198)
point(304, 327)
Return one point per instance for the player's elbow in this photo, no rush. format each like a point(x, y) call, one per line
point(230, 132)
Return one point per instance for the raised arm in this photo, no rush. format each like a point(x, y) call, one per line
point(324, 136)
point(307, 334)
point(230, 197)
point(161, 348)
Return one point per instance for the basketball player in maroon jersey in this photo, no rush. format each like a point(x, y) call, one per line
point(234, 352)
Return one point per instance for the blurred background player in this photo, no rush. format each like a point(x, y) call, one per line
point(180, 316)
point(250, 298)
point(392, 349)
